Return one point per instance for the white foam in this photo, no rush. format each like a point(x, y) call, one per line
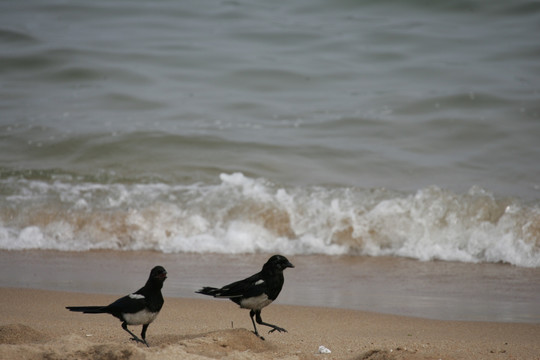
point(244, 215)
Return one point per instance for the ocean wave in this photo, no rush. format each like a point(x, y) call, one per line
point(238, 214)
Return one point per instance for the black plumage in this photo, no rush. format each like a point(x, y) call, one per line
point(256, 291)
point(138, 308)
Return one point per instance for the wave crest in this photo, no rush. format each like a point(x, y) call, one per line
point(239, 214)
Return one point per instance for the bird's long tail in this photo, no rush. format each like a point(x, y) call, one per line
point(87, 309)
point(207, 290)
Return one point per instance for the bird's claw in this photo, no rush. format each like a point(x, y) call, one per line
point(136, 339)
point(278, 329)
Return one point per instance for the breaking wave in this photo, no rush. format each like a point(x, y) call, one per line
point(238, 214)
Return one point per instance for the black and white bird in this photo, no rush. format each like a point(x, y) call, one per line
point(257, 291)
point(139, 308)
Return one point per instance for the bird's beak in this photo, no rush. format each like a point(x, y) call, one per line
point(289, 264)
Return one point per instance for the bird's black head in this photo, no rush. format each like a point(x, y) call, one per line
point(158, 273)
point(278, 262)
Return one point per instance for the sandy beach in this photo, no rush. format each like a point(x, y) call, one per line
point(35, 325)
point(389, 149)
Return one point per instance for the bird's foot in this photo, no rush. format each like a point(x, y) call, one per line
point(279, 329)
point(136, 339)
point(257, 334)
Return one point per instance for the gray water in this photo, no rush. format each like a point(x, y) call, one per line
point(220, 126)
point(364, 93)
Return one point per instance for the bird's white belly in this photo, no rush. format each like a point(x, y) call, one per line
point(140, 318)
point(256, 303)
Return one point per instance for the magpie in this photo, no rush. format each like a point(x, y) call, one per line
point(139, 308)
point(256, 291)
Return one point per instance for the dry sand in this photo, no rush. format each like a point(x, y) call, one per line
point(35, 325)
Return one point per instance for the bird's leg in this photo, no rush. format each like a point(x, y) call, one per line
point(274, 327)
point(143, 333)
point(251, 314)
point(134, 337)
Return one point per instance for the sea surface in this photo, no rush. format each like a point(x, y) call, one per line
point(395, 129)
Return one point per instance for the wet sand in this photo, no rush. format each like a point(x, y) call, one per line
point(35, 325)
point(436, 290)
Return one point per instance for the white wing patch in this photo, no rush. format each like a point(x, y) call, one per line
point(136, 296)
point(256, 303)
point(140, 318)
point(259, 282)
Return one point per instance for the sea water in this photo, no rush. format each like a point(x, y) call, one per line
point(380, 128)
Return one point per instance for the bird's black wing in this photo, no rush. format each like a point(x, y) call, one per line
point(249, 287)
point(128, 304)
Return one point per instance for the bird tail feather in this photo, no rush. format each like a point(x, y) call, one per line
point(207, 290)
point(87, 309)
point(217, 293)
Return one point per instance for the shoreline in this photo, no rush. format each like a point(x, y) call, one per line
point(34, 323)
point(433, 290)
